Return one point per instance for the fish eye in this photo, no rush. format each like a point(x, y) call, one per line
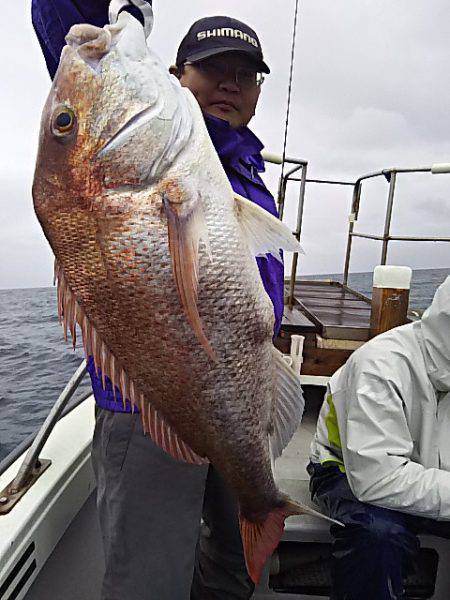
point(63, 121)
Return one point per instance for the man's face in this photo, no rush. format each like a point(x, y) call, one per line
point(225, 86)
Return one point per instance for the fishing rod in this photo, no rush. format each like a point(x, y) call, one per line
point(291, 74)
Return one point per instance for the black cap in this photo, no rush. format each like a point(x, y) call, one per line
point(215, 35)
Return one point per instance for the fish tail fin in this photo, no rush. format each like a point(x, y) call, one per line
point(260, 539)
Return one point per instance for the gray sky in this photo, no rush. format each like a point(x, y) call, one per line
point(371, 90)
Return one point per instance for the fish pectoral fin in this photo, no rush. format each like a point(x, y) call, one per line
point(265, 234)
point(288, 406)
point(259, 539)
point(186, 227)
point(166, 438)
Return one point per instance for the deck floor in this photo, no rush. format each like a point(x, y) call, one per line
point(335, 312)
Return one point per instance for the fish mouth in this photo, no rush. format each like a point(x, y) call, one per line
point(126, 131)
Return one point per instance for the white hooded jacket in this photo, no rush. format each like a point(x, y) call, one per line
point(386, 416)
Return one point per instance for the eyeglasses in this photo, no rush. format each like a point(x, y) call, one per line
point(245, 77)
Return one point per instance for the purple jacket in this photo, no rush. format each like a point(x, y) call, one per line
point(52, 19)
point(239, 151)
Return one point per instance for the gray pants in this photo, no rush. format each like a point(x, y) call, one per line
point(150, 508)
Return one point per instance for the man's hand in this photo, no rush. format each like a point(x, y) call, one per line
point(52, 20)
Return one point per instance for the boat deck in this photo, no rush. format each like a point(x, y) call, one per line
point(330, 309)
point(74, 571)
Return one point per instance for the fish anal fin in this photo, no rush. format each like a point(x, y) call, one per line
point(186, 227)
point(288, 405)
point(164, 436)
point(264, 233)
point(259, 539)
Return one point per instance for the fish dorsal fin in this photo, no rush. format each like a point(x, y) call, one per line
point(288, 407)
point(106, 365)
point(265, 234)
point(186, 227)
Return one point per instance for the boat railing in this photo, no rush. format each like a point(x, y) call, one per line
point(389, 174)
point(32, 466)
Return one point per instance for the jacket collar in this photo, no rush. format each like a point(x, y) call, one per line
point(235, 147)
point(435, 328)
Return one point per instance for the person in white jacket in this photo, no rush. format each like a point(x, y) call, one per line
point(380, 458)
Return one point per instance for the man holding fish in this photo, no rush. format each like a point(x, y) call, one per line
point(202, 372)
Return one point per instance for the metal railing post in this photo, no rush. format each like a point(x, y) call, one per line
point(281, 196)
point(388, 219)
point(301, 202)
point(282, 189)
point(353, 217)
point(298, 233)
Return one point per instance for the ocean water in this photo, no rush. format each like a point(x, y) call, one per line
point(36, 362)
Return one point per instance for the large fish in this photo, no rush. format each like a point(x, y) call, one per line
point(155, 262)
